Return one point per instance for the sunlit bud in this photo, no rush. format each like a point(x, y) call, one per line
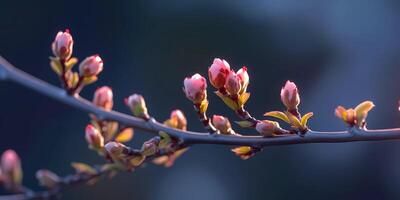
point(195, 88)
point(268, 128)
point(115, 149)
point(62, 45)
point(244, 78)
point(150, 147)
point(94, 137)
point(103, 97)
point(290, 96)
point(179, 118)
point(91, 66)
point(218, 72)
point(245, 152)
point(233, 83)
point(11, 167)
point(137, 105)
point(222, 124)
point(361, 112)
point(47, 178)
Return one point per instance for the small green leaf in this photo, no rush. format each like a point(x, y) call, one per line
point(243, 98)
point(137, 160)
point(89, 80)
point(244, 124)
point(294, 121)
point(70, 63)
point(125, 135)
point(165, 140)
point(279, 115)
point(83, 168)
point(305, 119)
point(203, 106)
point(228, 101)
point(56, 66)
point(241, 150)
point(74, 80)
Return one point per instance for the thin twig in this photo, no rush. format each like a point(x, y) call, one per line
point(9, 72)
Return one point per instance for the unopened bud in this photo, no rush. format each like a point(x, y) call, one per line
point(268, 128)
point(218, 73)
point(91, 66)
point(195, 88)
point(47, 178)
point(11, 167)
point(290, 96)
point(137, 105)
point(115, 149)
point(179, 119)
point(244, 79)
point(150, 147)
point(94, 137)
point(232, 84)
point(222, 124)
point(62, 45)
point(103, 97)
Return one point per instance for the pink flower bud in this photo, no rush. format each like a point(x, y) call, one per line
point(233, 83)
point(195, 88)
point(47, 178)
point(244, 78)
point(218, 72)
point(268, 128)
point(290, 96)
point(137, 105)
point(62, 45)
point(11, 167)
point(222, 124)
point(91, 66)
point(103, 97)
point(94, 137)
point(179, 118)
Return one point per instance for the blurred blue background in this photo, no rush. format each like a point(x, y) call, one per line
point(338, 52)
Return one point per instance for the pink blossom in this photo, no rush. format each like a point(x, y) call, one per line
point(233, 83)
point(179, 118)
point(218, 72)
point(244, 78)
point(103, 97)
point(290, 96)
point(91, 66)
point(195, 88)
point(94, 137)
point(62, 45)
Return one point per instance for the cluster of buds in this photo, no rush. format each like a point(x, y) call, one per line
point(224, 79)
point(137, 105)
point(10, 170)
point(357, 116)
point(177, 120)
point(63, 62)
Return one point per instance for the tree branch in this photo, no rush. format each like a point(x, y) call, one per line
point(9, 72)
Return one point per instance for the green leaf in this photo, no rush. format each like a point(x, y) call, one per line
point(305, 119)
point(294, 121)
point(244, 124)
point(56, 66)
point(203, 106)
point(165, 140)
point(125, 135)
point(279, 115)
point(241, 150)
point(89, 80)
point(243, 98)
point(137, 160)
point(74, 80)
point(70, 63)
point(83, 168)
point(228, 101)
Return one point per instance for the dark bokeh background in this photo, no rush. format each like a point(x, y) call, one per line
point(338, 52)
